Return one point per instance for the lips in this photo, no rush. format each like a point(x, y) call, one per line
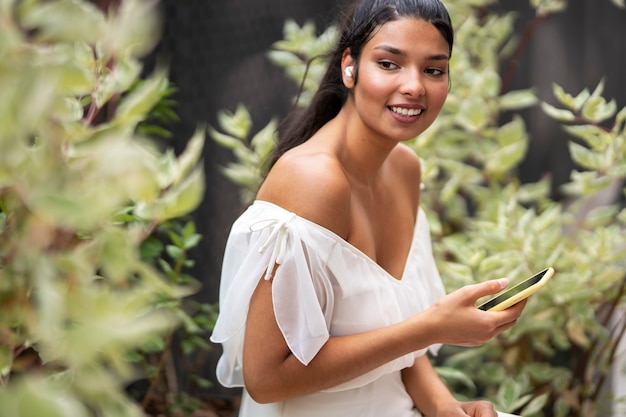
point(405, 111)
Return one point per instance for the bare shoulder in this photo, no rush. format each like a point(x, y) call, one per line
point(312, 185)
point(406, 165)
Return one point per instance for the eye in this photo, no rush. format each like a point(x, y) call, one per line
point(435, 71)
point(387, 65)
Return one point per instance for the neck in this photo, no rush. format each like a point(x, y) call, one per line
point(362, 152)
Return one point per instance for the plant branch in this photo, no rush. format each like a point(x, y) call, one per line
point(513, 66)
point(614, 337)
point(157, 372)
point(585, 361)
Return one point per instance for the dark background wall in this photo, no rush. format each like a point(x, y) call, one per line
point(216, 50)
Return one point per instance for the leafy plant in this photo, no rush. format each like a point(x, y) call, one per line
point(82, 189)
point(247, 172)
point(486, 224)
point(168, 247)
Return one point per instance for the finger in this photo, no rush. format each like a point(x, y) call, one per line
point(504, 327)
point(487, 288)
point(515, 311)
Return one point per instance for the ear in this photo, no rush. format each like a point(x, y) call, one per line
point(348, 61)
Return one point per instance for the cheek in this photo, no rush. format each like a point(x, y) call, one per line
point(439, 94)
point(375, 87)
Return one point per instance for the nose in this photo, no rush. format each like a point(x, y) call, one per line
point(412, 84)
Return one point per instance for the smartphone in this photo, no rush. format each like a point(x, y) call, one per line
point(515, 294)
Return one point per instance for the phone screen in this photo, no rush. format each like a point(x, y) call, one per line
point(512, 291)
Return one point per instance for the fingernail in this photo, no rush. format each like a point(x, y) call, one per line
point(503, 282)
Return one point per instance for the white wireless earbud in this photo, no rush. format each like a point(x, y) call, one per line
point(349, 71)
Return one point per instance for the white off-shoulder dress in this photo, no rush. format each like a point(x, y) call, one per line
point(324, 286)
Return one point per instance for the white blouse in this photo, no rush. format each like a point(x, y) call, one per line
point(324, 286)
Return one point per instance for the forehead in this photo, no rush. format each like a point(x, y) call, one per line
point(410, 35)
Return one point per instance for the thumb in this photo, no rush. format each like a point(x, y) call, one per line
point(489, 287)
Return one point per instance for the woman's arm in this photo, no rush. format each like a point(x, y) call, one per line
point(425, 388)
point(272, 373)
point(433, 398)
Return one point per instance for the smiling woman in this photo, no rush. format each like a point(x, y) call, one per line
point(330, 296)
point(404, 75)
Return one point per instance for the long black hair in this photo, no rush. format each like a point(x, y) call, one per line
point(360, 23)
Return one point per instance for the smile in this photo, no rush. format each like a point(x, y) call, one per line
point(403, 111)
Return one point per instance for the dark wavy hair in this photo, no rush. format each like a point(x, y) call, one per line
point(360, 23)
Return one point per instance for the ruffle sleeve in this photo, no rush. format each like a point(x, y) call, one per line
point(259, 239)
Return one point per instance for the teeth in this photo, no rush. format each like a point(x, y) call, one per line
point(406, 112)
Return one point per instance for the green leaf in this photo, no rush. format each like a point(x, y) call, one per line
point(72, 78)
point(576, 331)
point(151, 248)
point(236, 124)
point(513, 135)
point(189, 158)
point(512, 132)
point(601, 216)
point(586, 157)
point(473, 114)
point(117, 79)
point(598, 110)
point(65, 21)
point(564, 98)
point(174, 252)
point(134, 29)
point(547, 7)
point(120, 254)
point(135, 107)
point(188, 322)
point(176, 202)
point(242, 175)
point(595, 136)
point(599, 89)
point(535, 191)
point(508, 393)
point(33, 398)
point(582, 98)
point(284, 59)
point(192, 241)
point(454, 376)
point(558, 114)
point(224, 140)
point(517, 100)
point(264, 141)
point(585, 183)
point(620, 119)
point(536, 405)
point(67, 109)
point(506, 157)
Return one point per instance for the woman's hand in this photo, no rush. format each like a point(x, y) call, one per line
point(457, 321)
point(472, 409)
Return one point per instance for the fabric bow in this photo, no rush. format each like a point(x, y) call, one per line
point(278, 237)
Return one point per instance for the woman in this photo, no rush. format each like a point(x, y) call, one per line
point(330, 296)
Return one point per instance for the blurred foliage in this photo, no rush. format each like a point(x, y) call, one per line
point(84, 190)
point(486, 224)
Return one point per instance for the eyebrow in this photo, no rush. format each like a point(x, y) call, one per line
point(396, 51)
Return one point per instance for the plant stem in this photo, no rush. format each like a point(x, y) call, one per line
point(614, 337)
point(157, 372)
point(513, 66)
